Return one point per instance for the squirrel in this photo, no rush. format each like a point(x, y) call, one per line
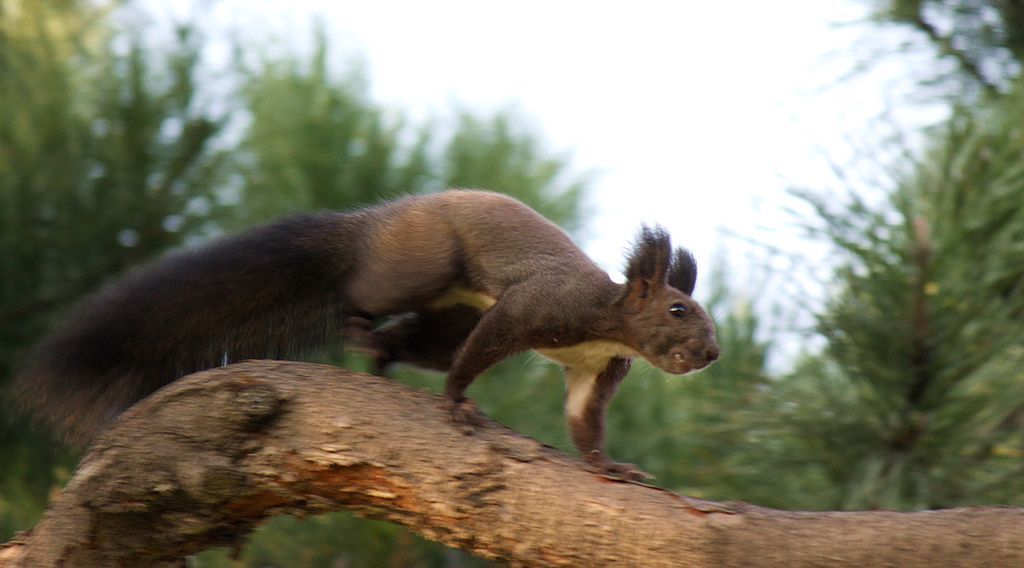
point(463, 278)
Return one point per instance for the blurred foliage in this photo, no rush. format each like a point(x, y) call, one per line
point(983, 38)
point(494, 154)
point(101, 151)
point(923, 389)
point(337, 540)
point(90, 133)
point(314, 141)
point(317, 142)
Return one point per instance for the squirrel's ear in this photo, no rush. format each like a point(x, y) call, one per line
point(648, 263)
point(683, 273)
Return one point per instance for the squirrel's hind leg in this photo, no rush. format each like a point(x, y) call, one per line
point(427, 339)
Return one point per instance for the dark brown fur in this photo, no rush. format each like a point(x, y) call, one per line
point(290, 286)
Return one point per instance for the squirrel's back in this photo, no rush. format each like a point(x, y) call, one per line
point(422, 245)
point(495, 239)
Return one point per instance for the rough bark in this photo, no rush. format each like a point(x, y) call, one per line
point(202, 462)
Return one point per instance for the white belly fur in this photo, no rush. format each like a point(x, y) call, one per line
point(592, 355)
point(578, 387)
point(583, 363)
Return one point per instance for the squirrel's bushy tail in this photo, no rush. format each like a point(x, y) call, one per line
point(270, 292)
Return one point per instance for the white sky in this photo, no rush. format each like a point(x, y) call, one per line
point(694, 115)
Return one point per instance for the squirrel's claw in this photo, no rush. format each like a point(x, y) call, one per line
point(464, 413)
point(614, 470)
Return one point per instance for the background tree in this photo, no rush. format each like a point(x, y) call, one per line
point(101, 153)
point(922, 389)
point(315, 141)
point(916, 400)
point(982, 39)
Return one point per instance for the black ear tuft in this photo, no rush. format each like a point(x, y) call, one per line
point(650, 257)
point(683, 274)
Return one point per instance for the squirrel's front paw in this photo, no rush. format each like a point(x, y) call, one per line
point(463, 412)
point(601, 465)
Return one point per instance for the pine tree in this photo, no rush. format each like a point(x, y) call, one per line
point(922, 400)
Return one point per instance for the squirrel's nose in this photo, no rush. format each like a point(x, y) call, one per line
point(712, 353)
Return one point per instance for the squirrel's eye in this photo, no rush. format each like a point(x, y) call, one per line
point(678, 310)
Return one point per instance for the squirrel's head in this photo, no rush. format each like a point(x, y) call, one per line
point(667, 327)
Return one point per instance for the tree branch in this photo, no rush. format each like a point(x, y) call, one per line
point(203, 461)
